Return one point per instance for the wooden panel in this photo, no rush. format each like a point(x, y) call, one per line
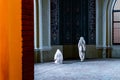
point(28, 28)
point(27, 34)
point(28, 40)
point(27, 49)
point(26, 23)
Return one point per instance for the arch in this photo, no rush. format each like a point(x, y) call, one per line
point(104, 25)
point(114, 49)
point(115, 21)
point(109, 22)
point(104, 22)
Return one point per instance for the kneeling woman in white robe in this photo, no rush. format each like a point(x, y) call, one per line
point(58, 57)
point(81, 48)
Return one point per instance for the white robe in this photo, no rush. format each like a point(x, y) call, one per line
point(81, 48)
point(58, 57)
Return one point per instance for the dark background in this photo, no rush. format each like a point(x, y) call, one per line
point(71, 19)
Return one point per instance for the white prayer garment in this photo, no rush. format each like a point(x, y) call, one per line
point(58, 57)
point(81, 48)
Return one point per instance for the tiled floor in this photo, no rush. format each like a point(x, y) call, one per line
point(90, 69)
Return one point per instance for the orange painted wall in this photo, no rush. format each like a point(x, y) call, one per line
point(10, 40)
point(4, 64)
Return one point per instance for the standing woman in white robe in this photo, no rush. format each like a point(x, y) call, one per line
point(81, 48)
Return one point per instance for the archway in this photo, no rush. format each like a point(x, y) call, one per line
point(104, 26)
point(115, 48)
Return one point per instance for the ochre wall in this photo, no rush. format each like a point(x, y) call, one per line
point(3, 41)
point(10, 40)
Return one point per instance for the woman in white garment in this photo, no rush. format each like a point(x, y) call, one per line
point(81, 48)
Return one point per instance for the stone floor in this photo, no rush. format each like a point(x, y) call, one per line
point(90, 69)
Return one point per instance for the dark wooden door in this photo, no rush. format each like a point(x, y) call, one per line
point(28, 40)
